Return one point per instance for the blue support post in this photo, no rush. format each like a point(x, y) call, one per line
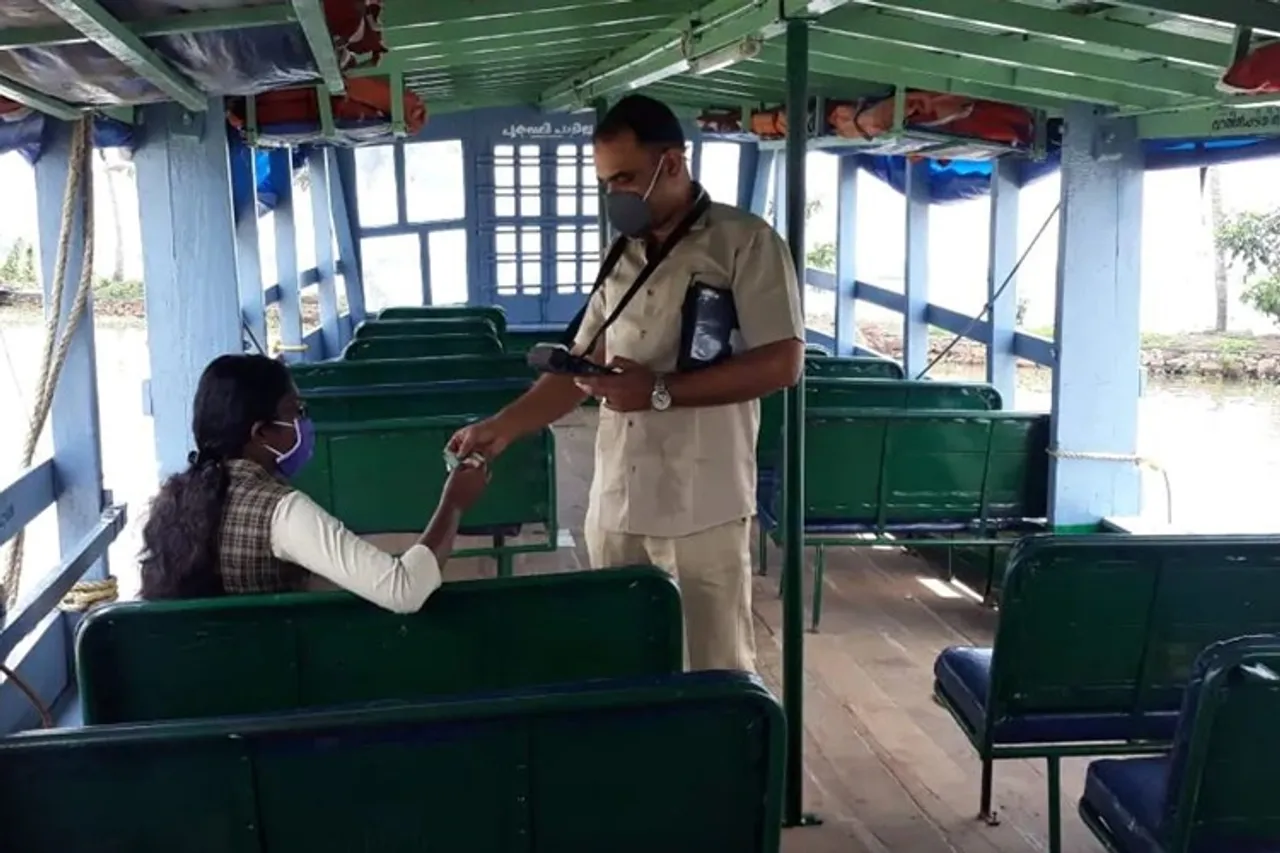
point(253, 311)
point(346, 224)
point(326, 264)
point(289, 307)
point(74, 414)
point(781, 177)
point(748, 163)
point(189, 257)
point(1002, 364)
point(760, 189)
point(846, 256)
point(915, 323)
point(1095, 386)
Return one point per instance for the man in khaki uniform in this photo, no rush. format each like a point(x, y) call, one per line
point(715, 326)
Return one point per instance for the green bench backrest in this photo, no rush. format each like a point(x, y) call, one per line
point(476, 399)
point(326, 375)
point(426, 328)
point(522, 340)
point(815, 366)
point(425, 346)
point(855, 367)
point(385, 476)
point(1114, 621)
point(904, 466)
point(492, 313)
point(1226, 794)
point(143, 662)
point(854, 393)
point(685, 764)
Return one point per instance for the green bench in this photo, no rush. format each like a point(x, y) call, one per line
point(850, 367)
point(494, 314)
point(474, 399)
point(1217, 790)
point(341, 376)
point(682, 764)
point(522, 340)
point(423, 346)
point(870, 391)
point(1095, 644)
point(933, 478)
point(385, 476)
point(146, 662)
point(426, 328)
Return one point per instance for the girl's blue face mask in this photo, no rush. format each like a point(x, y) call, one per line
point(293, 460)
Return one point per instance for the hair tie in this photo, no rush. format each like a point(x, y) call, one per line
point(201, 458)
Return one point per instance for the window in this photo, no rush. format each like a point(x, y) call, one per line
point(392, 269)
point(447, 254)
point(719, 170)
point(577, 239)
point(376, 186)
point(518, 255)
point(434, 189)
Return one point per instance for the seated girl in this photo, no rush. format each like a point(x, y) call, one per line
point(232, 524)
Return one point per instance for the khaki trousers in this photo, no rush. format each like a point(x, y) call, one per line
point(713, 570)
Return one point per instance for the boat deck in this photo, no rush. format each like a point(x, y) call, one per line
point(886, 767)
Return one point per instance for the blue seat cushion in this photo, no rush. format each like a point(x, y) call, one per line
point(963, 680)
point(1127, 796)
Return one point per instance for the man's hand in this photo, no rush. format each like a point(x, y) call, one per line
point(487, 437)
point(631, 390)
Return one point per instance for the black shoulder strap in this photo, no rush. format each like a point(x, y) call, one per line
point(611, 261)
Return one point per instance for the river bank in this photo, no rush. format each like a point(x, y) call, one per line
point(1195, 355)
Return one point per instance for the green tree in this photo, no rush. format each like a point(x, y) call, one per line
point(1252, 241)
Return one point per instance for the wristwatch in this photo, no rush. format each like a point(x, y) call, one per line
point(660, 399)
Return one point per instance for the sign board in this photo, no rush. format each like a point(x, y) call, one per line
point(1211, 122)
point(548, 130)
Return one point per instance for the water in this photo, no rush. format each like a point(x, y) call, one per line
point(1220, 444)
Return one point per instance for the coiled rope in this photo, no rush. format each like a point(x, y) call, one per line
point(1132, 459)
point(56, 347)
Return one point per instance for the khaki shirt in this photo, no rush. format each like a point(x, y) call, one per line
point(679, 472)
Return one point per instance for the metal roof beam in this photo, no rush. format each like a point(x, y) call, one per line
point(1063, 25)
point(890, 73)
point(842, 46)
point(102, 28)
point(1255, 14)
point(533, 25)
point(170, 25)
point(871, 23)
point(665, 53)
point(38, 101)
point(316, 29)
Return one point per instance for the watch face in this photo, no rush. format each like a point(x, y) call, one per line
point(661, 400)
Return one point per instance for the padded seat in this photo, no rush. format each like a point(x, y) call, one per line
point(1127, 797)
point(963, 679)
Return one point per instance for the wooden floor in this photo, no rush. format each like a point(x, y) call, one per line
point(886, 768)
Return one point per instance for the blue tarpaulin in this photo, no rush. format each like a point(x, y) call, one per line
point(269, 182)
point(221, 62)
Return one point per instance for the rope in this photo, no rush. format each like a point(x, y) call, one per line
point(79, 180)
point(1140, 461)
point(86, 594)
point(995, 297)
point(46, 716)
